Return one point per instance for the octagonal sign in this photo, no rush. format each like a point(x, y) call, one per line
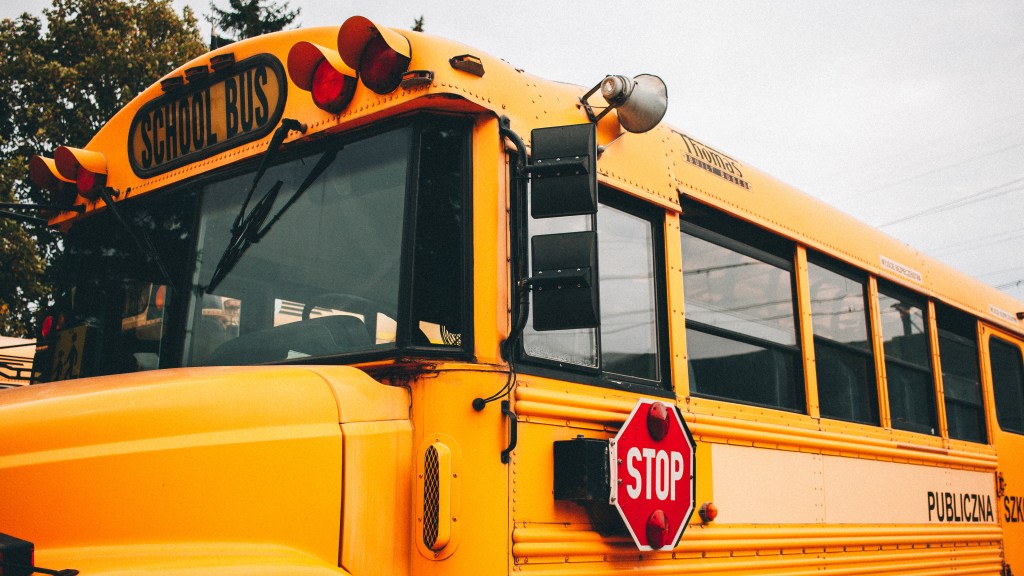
point(653, 484)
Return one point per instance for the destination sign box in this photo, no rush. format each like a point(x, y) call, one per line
point(208, 115)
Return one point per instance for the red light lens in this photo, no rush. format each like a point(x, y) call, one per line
point(86, 181)
point(657, 529)
point(47, 330)
point(381, 68)
point(89, 183)
point(657, 421)
point(332, 90)
point(708, 512)
point(51, 325)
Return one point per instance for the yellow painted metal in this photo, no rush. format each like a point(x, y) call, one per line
point(805, 328)
point(325, 461)
point(190, 458)
point(936, 361)
point(878, 347)
point(1010, 445)
point(676, 312)
point(377, 495)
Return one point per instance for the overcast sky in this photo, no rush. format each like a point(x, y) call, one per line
point(907, 115)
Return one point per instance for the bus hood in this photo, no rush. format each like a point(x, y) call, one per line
point(222, 470)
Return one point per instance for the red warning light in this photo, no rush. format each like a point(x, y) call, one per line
point(658, 421)
point(332, 90)
point(657, 529)
point(381, 67)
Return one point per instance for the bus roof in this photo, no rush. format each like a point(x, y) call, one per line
point(660, 166)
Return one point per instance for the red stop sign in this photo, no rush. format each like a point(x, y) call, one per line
point(652, 474)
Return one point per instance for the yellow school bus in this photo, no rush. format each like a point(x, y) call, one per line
point(360, 300)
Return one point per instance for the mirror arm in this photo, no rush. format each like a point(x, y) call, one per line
point(520, 280)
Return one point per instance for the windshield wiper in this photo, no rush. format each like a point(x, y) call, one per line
point(287, 125)
point(242, 226)
point(251, 229)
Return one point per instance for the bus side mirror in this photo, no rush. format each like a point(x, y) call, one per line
point(563, 171)
point(564, 281)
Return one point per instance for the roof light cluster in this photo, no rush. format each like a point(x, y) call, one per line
point(377, 56)
point(71, 172)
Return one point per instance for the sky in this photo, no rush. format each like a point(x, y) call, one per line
point(907, 115)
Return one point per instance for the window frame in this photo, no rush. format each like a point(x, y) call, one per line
point(942, 333)
point(864, 279)
point(894, 291)
point(598, 376)
point(704, 223)
point(1015, 345)
point(404, 346)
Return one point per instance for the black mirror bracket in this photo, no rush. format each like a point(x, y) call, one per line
point(563, 182)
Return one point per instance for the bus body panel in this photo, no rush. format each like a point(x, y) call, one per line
point(325, 469)
point(189, 458)
point(1010, 445)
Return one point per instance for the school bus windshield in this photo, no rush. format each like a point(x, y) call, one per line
point(322, 277)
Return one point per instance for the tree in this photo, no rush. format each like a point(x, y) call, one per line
point(417, 25)
point(58, 84)
point(248, 18)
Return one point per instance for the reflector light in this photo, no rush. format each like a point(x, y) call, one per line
point(196, 73)
point(172, 83)
point(657, 529)
point(51, 325)
point(222, 61)
point(708, 512)
point(381, 68)
point(332, 90)
point(657, 421)
point(161, 297)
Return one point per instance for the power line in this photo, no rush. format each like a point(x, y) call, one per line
point(981, 195)
point(976, 243)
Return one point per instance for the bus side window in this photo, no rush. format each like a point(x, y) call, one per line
point(741, 329)
point(908, 368)
point(847, 389)
point(628, 345)
point(1008, 382)
point(961, 377)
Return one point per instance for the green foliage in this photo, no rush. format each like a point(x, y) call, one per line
point(59, 83)
point(248, 18)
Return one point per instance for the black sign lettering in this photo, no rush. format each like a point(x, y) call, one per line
point(158, 132)
point(219, 112)
point(146, 153)
point(172, 131)
point(184, 126)
point(959, 507)
point(231, 106)
point(1013, 508)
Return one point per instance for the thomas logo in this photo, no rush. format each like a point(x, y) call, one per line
point(713, 161)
